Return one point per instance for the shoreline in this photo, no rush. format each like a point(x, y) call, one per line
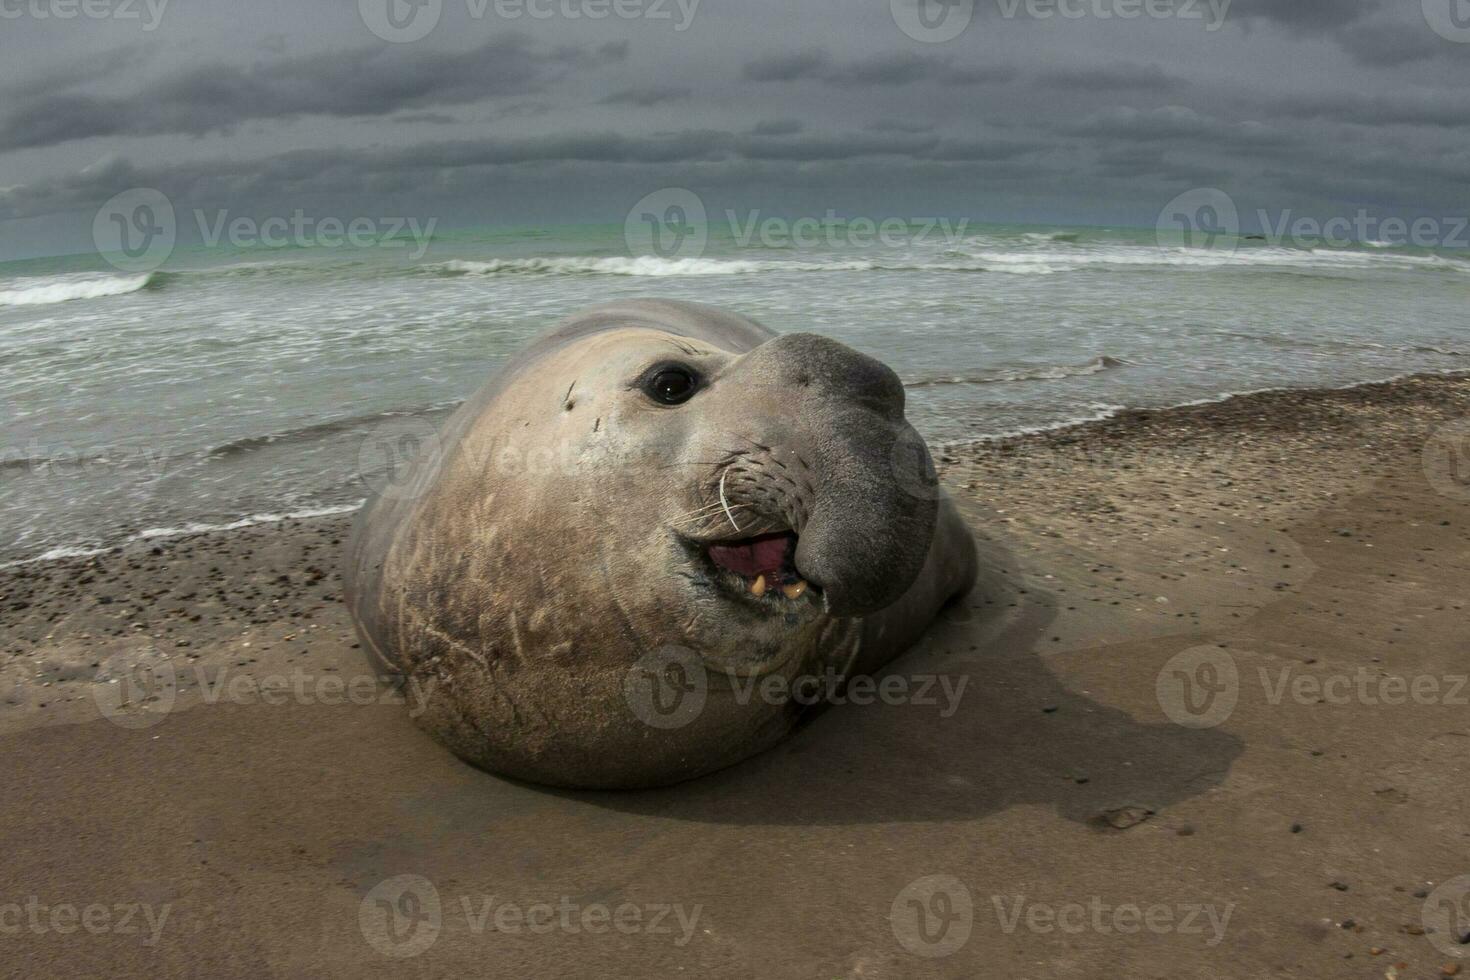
point(1129, 416)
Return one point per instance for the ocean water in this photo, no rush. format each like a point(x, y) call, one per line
point(241, 384)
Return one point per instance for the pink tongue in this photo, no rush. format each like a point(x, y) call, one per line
point(759, 556)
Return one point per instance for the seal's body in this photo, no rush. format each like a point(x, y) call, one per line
point(628, 549)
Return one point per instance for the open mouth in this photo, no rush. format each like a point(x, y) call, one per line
point(763, 567)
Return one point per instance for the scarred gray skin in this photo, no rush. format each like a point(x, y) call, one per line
point(553, 546)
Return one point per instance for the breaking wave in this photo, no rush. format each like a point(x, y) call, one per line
point(45, 290)
point(1026, 261)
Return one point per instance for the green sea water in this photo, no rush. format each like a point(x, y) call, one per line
point(236, 383)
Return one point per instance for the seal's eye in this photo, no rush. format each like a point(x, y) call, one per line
point(670, 385)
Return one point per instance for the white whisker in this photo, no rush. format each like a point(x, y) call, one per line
point(724, 503)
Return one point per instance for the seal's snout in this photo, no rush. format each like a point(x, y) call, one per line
point(831, 463)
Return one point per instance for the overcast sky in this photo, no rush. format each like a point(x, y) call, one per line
point(269, 106)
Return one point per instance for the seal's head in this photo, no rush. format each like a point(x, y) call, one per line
point(637, 490)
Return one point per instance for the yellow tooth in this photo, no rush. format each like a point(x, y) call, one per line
point(794, 590)
point(758, 587)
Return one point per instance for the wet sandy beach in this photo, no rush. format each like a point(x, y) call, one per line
point(1211, 720)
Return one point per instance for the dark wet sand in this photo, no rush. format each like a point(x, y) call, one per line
point(1309, 536)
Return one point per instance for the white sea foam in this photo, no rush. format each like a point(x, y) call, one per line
point(1045, 260)
point(1053, 372)
point(44, 290)
point(244, 522)
point(87, 551)
point(644, 265)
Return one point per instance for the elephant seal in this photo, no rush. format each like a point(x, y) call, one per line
point(653, 497)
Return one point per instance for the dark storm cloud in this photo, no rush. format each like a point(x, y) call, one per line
point(1442, 109)
point(791, 67)
point(371, 81)
point(1363, 94)
point(901, 68)
point(94, 69)
point(1375, 33)
point(1305, 15)
point(982, 150)
point(1127, 124)
point(1392, 44)
point(1115, 78)
point(644, 97)
point(436, 118)
point(900, 126)
point(777, 127)
point(219, 182)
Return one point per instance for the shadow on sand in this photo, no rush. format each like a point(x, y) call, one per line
point(1018, 737)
